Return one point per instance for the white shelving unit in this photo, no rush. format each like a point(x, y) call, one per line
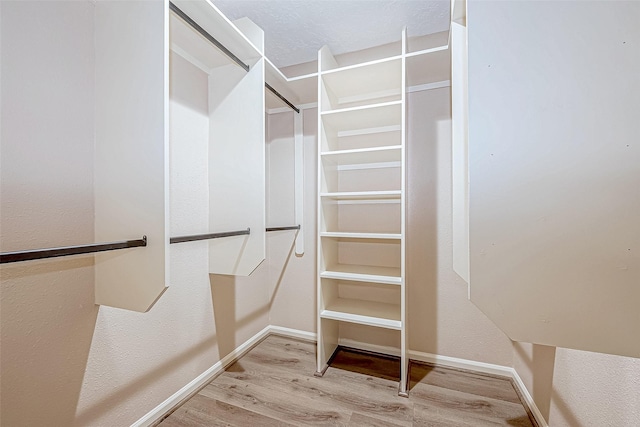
point(361, 200)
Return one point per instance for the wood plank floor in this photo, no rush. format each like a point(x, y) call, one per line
point(274, 385)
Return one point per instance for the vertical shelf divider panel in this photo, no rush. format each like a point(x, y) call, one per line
point(236, 157)
point(403, 389)
point(237, 160)
point(131, 151)
point(361, 174)
point(327, 329)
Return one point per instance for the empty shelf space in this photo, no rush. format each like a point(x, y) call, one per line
point(363, 155)
point(437, 61)
point(367, 117)
point(363, 273)
point(376, 81)
point(352, 235)
point(369, 313)
point(363, 195)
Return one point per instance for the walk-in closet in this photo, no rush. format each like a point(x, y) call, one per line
point(349, 213)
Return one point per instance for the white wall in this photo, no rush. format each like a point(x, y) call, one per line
point(47, 307)
point(575, 388)
point(292, 294)
point(554, 90)
point(441, 318)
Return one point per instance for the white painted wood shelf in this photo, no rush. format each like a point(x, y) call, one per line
point(370, 313)
point(353, 235)
point(363, 273)
point(361, 199)
point(363, 117)
point(363, 195)
point(361, 156)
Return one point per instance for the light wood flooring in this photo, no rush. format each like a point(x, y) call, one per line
point(274, 385)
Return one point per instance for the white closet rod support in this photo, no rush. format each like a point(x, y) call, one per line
point(279, 95)
point(29, 255)
point(195, 237)
point(206, 35)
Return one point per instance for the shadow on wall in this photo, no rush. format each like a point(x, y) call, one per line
point(99, 408)
point(47, 323)
point(541, 366)
point(422, 223)
point(283, 269)
point(223, 297)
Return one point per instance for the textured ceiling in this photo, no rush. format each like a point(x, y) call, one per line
point(296, 29)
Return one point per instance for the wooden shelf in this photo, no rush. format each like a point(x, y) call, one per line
point(381, 315)
point(353, 235)
point(363, 155)
point(363, 195)
point(367, 117)
point(363, 273)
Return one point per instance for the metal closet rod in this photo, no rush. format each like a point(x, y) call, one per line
point(18, 256)
point(208, 236)
point(226, 51)
point(291, 227)
point(206, 35)
point(279, 95)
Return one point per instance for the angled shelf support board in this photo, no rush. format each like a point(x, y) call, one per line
point(131, 129)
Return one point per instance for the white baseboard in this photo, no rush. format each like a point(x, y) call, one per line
point(528, 399)
point(457, 363)
point(185, 392)
point(293, 333)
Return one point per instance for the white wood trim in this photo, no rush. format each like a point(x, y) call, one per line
point(410, 89)
point(427, 51)
point(302, 77)
point(359, 108)
point(293, 333)
point(363, 64)
point(352, 235)
point(517, 381)
point(197, 383)
point(185, 392)
point(299, 180)
point(455, 362)
point(367, 131)
point(374, 348)
point(429, 86)
point(369, 195)
point(361, 166)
